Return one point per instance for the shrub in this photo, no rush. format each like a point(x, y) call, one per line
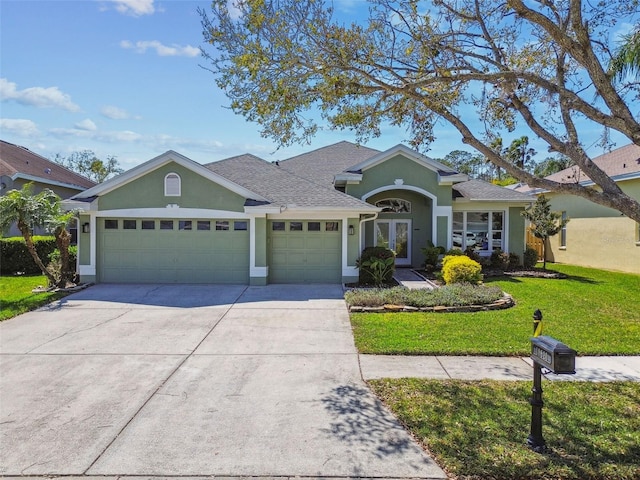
point(15, 258)
point(514, 261)
point(454, 252)
point(472, 254)
point(376, 266)
point(55, 265)
point(459, 269)
point(448, 296)
point(431, 254)
point(499, 260)
point(530, 258)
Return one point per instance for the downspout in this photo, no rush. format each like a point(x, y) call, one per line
point(361, 229)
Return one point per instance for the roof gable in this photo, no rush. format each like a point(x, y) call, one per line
point(479, 190)
point(20, 162)
point(159, 161)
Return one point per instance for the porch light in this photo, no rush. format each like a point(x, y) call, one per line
point(85, 227)
point(351, 230)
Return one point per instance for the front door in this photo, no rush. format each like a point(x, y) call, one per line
point(396, 235)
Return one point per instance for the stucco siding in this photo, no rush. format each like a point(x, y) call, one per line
point(409, 172)
point(516, 243)
point(607, 243)
point(148, 192)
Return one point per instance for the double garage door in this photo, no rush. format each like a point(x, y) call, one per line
point(305, 251)
point(149, 250)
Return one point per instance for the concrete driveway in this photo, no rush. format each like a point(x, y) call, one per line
point(195, 380)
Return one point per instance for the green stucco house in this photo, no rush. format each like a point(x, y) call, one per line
point(302, 220)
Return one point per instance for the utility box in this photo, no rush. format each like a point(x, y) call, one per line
point(553, 354)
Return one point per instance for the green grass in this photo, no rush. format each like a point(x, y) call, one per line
point(16, 296)
point(478, 430)
point(595, 312)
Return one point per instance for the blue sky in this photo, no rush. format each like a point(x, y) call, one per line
point(124, 78)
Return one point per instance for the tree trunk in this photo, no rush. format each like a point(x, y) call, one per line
point(24, 229)
point(544, 253)
point(63, 240)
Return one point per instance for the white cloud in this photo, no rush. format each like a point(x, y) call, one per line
point(20, 127)
point(135, 8)
point(123, 136)
point(161, 50)
point(114, 113)
point(86, 124)
point(37, 96)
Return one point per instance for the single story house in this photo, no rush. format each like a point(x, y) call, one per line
point(19, 165)
point(301, 220)
point(597, 236)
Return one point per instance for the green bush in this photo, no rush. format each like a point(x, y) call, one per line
point(530, 258)
point(457, 269)
point(449, 296)
point(514, 261)
point(472, 254)
point(15, 258)
point(431, 255)
point(499, 260)
point(454, 252)
point(375, 266)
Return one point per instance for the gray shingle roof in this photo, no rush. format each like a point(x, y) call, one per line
point(282, 187)
point(481, 190)
point(19, 161)
point(321, 165)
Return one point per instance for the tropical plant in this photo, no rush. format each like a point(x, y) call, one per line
point(544, 223)
point(378, 268)
point(43, 209)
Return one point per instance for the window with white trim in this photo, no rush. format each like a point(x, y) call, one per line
point(172, 185)
point(394, 205)
point(481, 231)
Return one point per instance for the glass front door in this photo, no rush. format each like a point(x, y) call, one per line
point(396, 235)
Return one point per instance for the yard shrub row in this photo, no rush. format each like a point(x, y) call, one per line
point(455, 295)
point(15, 258)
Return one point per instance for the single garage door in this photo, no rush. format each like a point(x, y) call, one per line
point(303, 251)
point(149, 250)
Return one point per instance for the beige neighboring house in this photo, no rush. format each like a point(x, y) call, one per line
point(597, 236)
point(19, 165)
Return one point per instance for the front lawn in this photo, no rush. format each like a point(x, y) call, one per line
point(478, 430)
point(593, 311)
point(16, 296)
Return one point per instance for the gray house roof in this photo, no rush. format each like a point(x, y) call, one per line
point(479, 190)
point(323, 164)
point(282, 187)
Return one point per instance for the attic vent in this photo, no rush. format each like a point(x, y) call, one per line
point(172, 185)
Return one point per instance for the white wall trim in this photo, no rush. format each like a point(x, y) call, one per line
point(258, 272)
point(170, 212)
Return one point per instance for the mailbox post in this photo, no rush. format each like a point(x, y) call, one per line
point(554, 355)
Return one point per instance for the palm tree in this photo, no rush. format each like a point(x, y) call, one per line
point(28, 211)
point(626, 61)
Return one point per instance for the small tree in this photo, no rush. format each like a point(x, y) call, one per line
point(545, 223)
point(28, 211)
point(86, 163)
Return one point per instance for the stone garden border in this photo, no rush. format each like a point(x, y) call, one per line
point(505, 302)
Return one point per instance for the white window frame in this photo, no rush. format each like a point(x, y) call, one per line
point(168, 188)
point(490, 230)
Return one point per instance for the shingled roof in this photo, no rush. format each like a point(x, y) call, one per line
point(479, 190)
point(20, 162)
point(619, 164)
point(322, 164)
point(282, 187)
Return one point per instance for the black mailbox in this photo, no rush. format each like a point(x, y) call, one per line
point(553, 354)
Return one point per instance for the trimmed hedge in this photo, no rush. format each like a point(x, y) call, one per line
point(15, 258)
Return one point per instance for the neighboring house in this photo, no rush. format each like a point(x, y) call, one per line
point(19, 165)
point(302, 220)
point(597, 236)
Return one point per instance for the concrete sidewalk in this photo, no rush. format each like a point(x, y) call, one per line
point(593, 369)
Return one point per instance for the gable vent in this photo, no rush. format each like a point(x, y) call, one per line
point(172, 185)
